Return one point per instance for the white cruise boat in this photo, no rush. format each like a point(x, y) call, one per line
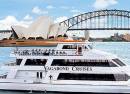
point(70, 67)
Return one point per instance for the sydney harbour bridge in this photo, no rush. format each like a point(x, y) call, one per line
point(96, 20)
point(99, 20)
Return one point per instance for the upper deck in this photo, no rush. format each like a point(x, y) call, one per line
point(63, 50)
point(43, 52)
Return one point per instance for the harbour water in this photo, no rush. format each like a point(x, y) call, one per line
point(121, 49)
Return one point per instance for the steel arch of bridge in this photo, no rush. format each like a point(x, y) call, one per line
point(99, 20)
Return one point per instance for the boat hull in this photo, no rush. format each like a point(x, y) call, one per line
point(64, 88)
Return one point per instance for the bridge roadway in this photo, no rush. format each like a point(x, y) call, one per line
point(99, 29)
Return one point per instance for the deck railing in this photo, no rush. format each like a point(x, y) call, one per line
point(39, 52)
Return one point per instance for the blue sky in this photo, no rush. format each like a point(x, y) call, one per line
point(25, 11)
point(20, 8)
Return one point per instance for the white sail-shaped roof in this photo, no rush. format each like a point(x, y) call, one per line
point(54, 30)
point(39, 28)
point(62, 30)
point(19, 30)
point(42, 27)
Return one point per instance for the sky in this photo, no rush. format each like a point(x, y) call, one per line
point(24, 12)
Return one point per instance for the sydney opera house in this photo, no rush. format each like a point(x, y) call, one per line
point(43, 27)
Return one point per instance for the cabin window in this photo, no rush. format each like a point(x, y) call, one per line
point(39, 75)
point(18, 61)
point(36, 62)
point(69, 47)
point(83, 62)
point(118, 62)
point(93, 77)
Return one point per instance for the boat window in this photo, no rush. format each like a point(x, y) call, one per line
point(69, 47)
point(118, 62)
point(37, 74)
point(18, 61)
point(41, 75)
point(93, 77)
point(83, 62)
point(36, 62)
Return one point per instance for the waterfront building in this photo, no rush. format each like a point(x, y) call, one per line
point(127, 37)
